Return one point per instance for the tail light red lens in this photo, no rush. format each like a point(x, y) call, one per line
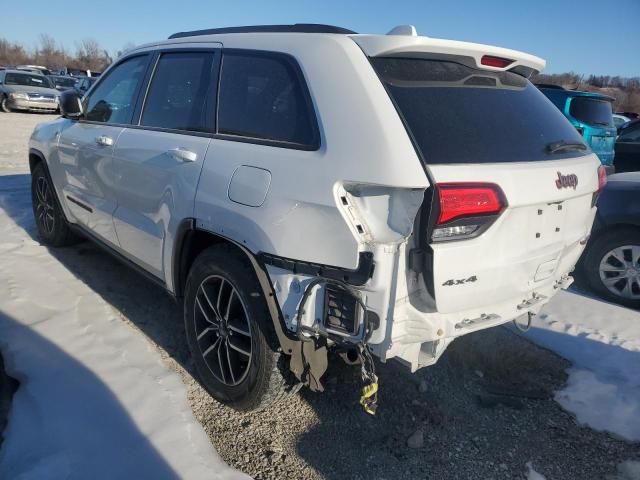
point(459, 200)
point(602, 177)
point(498, 62)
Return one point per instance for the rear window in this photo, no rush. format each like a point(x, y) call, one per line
point(458, 114)
point(591, 111)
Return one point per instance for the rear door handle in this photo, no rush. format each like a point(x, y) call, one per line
point(183, 155)
point(104, 141)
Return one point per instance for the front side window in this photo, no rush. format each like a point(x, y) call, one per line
point(27, 80)
point(114, 98)
point(181, 93)
point(264, 96)
point(591, 111)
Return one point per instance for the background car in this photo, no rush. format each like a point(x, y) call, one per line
point(34, 69)
point(628, 148)
point(83, 84)
point(21, 90)
point(610, 265)
point(62, 82)
point(591, 114)
point(619, 120)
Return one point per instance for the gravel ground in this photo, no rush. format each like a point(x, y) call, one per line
point(482, 412)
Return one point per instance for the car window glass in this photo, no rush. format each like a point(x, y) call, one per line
point(458, 114)
point(181, 92)
point(631, 135)
point(591, 111)
point(263, 96)
point(27, 80)
point(114, 99)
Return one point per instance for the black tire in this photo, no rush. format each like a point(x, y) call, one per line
point(53, 227)
point(267, 378)
point(4, 104)
point(596, 251)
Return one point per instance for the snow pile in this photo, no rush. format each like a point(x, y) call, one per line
point(603, 343)
point(94, 400)
point(629, 470)
point(532, 474)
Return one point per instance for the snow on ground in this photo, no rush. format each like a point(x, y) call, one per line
point(95, 401)
point(603, 343)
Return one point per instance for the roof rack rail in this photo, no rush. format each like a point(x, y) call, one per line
point(296, 28)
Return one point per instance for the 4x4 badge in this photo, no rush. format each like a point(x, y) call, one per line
point(566, 181)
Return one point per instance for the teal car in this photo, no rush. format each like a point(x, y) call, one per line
point(591, 114)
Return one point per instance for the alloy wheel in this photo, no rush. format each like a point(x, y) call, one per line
point(45, 212)
point(222, 329)
point(620, 271)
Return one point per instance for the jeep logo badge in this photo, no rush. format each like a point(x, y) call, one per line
point(566, 181)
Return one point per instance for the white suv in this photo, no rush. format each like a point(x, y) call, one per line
point(302, 188)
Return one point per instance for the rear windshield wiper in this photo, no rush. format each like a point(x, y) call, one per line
point(563, 146)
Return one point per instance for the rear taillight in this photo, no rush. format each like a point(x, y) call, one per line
point(466, 209)
point(497, 62)
point(602, 177)
point(602, 181)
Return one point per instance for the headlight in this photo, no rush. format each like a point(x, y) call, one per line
point(24, 96)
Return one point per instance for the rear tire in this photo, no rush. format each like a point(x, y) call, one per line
point(4, 105)
point(600, 265)
point(53, 227)
point(231, 334)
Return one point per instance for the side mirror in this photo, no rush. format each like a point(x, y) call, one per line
point(71, 104)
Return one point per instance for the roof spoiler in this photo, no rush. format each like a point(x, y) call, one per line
point(403, 41)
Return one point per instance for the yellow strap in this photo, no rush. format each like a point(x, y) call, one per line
point(367, 399)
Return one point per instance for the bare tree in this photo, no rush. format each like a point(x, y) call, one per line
point(12, 53)
point(90, 56)
point(125, 48)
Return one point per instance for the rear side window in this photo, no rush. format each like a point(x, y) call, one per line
point(591, 111)
point(458, 114)
point(114, 98)
point(263, 96)
point(181, 93)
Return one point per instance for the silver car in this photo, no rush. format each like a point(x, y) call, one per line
point(20, 90)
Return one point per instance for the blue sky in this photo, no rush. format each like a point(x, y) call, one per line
point(586, 36)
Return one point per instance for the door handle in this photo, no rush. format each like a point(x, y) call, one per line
point(183, 155)
point(104, 141)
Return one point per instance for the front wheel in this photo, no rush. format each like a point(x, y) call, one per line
point(4, 105)
point(231, 335)
point(52, 226)
point(612, 266)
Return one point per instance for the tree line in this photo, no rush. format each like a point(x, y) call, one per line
point(87, 55)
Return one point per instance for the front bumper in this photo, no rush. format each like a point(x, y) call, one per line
point(34, 105)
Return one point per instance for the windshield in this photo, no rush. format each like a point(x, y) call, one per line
point(459, 114)
point(591, 111)
point(64, 81)
point(27, 80)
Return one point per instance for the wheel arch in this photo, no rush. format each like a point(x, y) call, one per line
point(190, 241)
point(35, 157)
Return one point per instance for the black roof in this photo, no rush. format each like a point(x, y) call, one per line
point(295, 28)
